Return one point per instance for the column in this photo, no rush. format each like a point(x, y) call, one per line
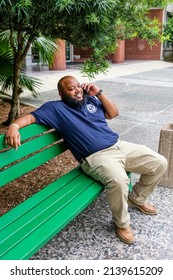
point(60, 56)
point(119, 55)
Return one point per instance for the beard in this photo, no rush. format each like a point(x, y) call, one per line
point(73, 102)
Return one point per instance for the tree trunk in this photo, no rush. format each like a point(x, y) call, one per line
point(15, 104)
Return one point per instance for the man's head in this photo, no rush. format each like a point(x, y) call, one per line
point(71, 91)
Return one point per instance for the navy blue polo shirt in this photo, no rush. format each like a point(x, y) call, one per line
point(84, 128)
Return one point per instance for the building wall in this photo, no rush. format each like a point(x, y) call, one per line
point(139, 49)
point(136, 49)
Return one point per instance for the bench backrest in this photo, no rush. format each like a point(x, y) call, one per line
point(39, 144)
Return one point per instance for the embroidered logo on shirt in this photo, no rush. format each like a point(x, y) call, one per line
point(91, 108)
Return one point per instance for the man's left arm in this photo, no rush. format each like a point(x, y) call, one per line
point(111, 110)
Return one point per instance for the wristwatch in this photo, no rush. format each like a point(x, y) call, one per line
point(99, 93)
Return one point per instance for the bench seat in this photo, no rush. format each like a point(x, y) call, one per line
point(31, 224)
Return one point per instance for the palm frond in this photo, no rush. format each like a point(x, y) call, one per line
point(6, 70)
point(46, 49)
point(5, 41)
point(30, 83)
point(6, 76)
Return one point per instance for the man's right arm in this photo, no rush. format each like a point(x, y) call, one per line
point(12, 136)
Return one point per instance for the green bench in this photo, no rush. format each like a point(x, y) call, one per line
point(31, 224)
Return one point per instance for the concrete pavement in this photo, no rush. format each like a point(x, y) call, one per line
point(144, 72)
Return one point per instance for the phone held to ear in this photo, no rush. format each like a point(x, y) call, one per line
point(85, 91)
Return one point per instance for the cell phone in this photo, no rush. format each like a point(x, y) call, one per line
point(85, 91)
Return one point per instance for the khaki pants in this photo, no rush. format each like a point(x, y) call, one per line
point(108, 166)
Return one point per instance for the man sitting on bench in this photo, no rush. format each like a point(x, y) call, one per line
point(80, 118)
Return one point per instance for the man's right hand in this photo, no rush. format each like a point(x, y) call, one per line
point(12, 137)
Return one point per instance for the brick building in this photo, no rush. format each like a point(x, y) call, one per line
point(136, 49)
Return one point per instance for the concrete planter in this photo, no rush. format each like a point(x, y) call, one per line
point(166, 149)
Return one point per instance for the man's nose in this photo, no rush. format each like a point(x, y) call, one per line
point(78, 89)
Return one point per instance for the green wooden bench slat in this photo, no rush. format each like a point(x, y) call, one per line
point(2, 142)
point(43, 204)
point(37, 198)
point(130, 183)
point(29, 164)
point(46, 231)
point(32, 130)
point(26, 132)
point(27, 148)
point(30, 221)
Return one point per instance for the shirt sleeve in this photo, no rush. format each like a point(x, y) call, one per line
point(46, 115)
point(98, 103)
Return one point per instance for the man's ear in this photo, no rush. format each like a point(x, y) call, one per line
point(60, 93)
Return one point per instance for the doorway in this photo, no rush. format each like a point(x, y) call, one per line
point(69, 51)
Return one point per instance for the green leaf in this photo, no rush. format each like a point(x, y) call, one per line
point(46, 48)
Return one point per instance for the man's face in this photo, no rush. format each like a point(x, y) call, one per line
point(72, 92)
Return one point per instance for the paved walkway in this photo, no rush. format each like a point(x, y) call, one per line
point(143, 91)
point(144, 72)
